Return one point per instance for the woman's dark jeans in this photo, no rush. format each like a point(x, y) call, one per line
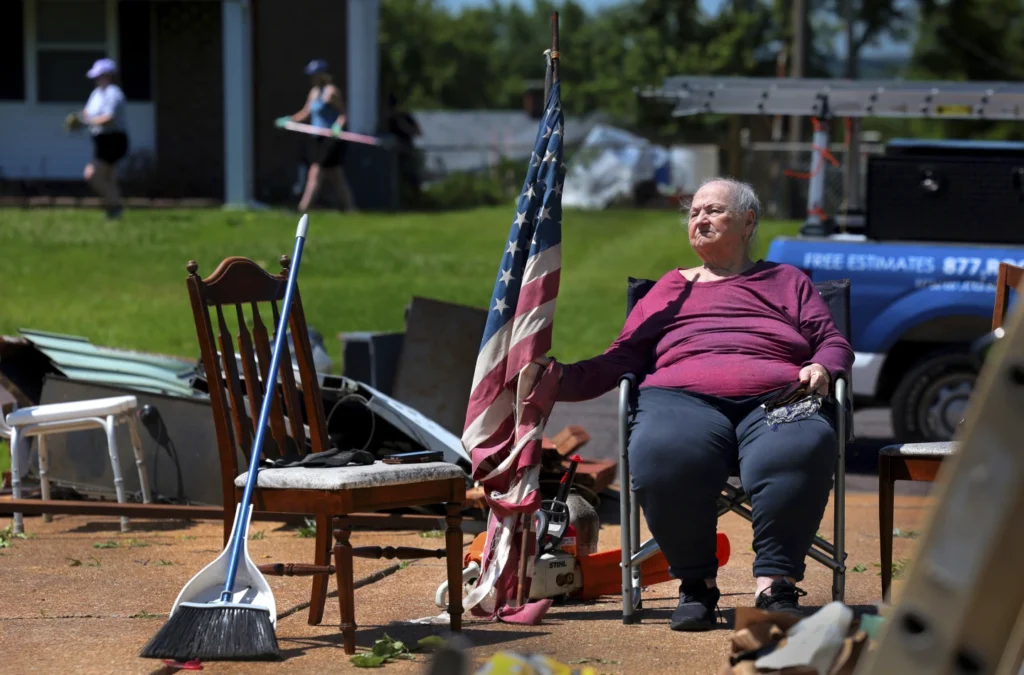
point(682, 447)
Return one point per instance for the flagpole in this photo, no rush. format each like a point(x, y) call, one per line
point(550, 76)
point(554, 47)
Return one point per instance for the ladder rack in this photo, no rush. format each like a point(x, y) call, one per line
point(824, 98)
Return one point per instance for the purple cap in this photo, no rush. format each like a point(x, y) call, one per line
point(101, 67)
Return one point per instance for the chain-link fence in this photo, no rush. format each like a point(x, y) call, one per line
point(781, 171)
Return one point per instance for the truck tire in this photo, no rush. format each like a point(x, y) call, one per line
point(931, 399)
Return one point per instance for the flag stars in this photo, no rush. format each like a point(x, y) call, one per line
point(530, 193)
point(513, 247)
point(500, 305)
point(520, 218)
point(549, 156)
point(506, 275)
point(558, 188)
point(545, 213)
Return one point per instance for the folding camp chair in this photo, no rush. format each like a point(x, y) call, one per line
point(836, 294)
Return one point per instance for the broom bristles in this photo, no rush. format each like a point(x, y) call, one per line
point(215, 632)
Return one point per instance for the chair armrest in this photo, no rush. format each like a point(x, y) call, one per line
point(626, 394)
point(835, 386)
point(844, 404)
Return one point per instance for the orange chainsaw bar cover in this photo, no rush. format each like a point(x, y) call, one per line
point(602, 572)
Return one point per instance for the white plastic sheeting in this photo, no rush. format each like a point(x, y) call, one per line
point(612, 162)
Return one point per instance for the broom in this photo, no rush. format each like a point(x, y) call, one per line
point(225, 613)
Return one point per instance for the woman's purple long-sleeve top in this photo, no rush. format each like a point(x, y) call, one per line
point(745, 335)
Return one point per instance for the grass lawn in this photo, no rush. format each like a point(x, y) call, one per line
point(122, 284)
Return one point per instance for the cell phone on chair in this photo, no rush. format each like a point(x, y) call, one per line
point(414, 457)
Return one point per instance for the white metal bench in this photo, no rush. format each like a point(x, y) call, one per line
point(56, 418)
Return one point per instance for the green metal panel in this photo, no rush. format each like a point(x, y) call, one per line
point(79, 359)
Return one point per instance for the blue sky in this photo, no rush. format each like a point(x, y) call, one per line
point(710, 6)
point(706, 5)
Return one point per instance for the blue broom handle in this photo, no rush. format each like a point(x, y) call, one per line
point(261, 425)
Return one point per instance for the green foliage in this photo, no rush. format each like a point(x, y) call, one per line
point(970, 40)
point(496, 185)
point(483, 57)
point(431, 643)
point(7, 536)
point(899, 568)
point(384, 649)
point(307, 531)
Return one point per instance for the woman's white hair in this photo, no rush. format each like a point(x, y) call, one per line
point(742, 198)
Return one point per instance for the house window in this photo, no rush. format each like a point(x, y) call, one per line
point(12, 51)
point(62, 39)
point(70, 36)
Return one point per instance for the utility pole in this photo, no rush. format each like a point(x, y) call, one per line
point(851, 171)
point(797, 69)
point(797, 55)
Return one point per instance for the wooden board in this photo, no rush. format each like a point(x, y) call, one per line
point(960, 609)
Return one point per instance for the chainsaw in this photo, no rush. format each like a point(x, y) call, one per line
point(566, 564)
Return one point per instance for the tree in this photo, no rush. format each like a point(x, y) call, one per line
point(430, 58)
point(973, 40)
point(873, 21)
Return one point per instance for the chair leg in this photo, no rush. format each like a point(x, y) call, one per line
point(16, 440)
point(629, 616)
point(634, 548)
point(140, 462)
point(886, 499)
point(839, 523)
point(626, 539)
point(110, 426)
point(44, 470)
point(322, 557)
point(346, 594)
point(453, 546)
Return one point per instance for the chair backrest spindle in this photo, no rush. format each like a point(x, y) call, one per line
point(239, 283)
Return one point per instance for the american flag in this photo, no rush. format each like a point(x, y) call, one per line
point(510, 400)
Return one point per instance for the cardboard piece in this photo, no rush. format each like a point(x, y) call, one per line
point(764, 639)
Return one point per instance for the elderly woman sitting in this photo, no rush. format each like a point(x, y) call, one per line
point(713, 343)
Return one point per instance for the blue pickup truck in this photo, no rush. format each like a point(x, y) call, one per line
point(915, 308)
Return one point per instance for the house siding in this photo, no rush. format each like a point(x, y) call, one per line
point(287, 36)
point(188, 101)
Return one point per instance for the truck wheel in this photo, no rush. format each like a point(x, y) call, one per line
point(932, 397)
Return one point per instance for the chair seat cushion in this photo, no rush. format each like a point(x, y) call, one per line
point(924, 450)
point(377, 474)
point(61, 412)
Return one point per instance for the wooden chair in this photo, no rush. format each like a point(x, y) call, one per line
point(921, 461)
point(297, 424)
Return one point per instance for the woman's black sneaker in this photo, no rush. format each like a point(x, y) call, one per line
point(697, 605)
point(781, 596)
